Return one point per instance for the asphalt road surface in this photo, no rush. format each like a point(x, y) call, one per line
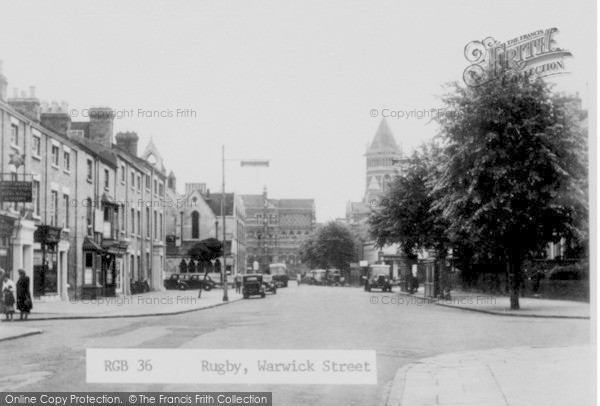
point(305, 317)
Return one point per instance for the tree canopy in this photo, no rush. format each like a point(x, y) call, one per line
point(331, 246)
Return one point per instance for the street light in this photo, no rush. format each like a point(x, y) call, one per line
point(244, 162)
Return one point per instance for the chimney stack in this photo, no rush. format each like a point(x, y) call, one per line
point(3, 84)
point(28, 106)
point(56, 118)
point(128, 142)
point(101, 125)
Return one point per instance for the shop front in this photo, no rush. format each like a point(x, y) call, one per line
point(49, 263)
point(6, 231)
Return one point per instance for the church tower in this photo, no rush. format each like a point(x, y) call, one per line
point(382, 155)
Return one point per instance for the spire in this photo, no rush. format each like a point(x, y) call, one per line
point(383, 142)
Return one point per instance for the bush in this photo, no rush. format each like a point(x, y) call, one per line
point(579, 271)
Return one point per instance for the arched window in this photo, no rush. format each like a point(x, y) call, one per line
point(195, 224)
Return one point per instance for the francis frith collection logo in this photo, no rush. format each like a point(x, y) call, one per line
point(533, 54)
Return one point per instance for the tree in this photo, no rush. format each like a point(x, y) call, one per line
point(405, 215)
point(513, 172)
point(331, 246)
point(206, 250)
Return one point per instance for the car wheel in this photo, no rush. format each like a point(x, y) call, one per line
point(275, 291)
point(368, 288)
point(207, 287)
point(262, 295)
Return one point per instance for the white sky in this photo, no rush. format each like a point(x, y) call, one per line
point(291, 81)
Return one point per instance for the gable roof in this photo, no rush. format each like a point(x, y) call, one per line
point(214, 202)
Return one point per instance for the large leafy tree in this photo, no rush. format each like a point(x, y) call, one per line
point(331, 246)
point(513, 171)
point(405, 215)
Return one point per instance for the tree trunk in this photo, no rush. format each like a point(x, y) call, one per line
point(514, 279)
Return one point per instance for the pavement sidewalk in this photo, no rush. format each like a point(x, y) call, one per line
point(138, 305)
point(500, 305)
point(505, 376)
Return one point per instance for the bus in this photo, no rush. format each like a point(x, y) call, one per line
point(279, 272)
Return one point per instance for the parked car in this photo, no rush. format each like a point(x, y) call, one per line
point(269, 284)
point(200, 281)
point(252, 285)
point(176, 281)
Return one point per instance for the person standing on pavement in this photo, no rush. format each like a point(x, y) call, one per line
point(24, 303)
point(8, 297)
point(238, 283)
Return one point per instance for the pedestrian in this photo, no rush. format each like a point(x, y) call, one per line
point(8, 297)
point(24, 303)
point(298, 279)
point(238, 283)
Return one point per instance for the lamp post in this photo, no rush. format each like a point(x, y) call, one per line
point(253, 162)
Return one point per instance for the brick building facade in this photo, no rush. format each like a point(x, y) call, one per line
point(276, 228)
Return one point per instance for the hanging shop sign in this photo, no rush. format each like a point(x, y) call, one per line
point(15, 191)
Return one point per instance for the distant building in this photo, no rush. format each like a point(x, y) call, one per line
point(195, 216)
point(384, 160)
point(276, 228)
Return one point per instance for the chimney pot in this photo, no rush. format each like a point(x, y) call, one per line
point(32, 92)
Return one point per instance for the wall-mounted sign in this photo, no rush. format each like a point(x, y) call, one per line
point(534, 54)
point(15, 191)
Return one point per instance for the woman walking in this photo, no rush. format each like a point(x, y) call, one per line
point(8, 297)
point(23, 296)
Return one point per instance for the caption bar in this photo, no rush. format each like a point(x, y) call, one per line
point(137, 398)
point(190, 366)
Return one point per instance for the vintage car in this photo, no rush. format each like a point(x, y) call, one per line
point(269, 284)
point(378, 277)
point(252, 285)
point(176, 281)
point(200, 281)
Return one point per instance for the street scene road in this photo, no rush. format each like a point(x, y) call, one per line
point(299, 317)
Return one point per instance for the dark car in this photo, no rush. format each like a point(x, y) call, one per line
point(252, 285)
point(269, 284)
point(176, 281)
point(380, 281)
point(200, 281)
